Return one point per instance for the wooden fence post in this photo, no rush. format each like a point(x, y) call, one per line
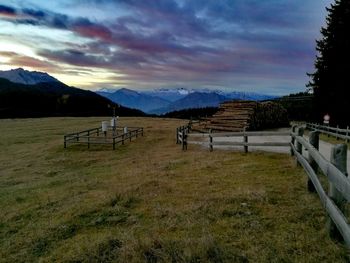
point(177, 135)
point(299, 146)
point(347, 134)
point(328, 135)
point(113, 143)
point(123, 138)
point(245, 140)
point(292, 140)
point(314, 140)
point(338, 159)
point(210, 141)
point(65, 142)
point(336, 133)
point(184, 142)
point(88, 139)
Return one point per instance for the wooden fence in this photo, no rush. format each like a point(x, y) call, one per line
point(97, 136)
point(181, 135)
point(185, 137)
point(331, 131)
point(336, 172)
point(334, 200)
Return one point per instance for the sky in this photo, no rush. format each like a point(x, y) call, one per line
point(264, 46)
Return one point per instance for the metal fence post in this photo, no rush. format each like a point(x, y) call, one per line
point(245, 140)
point(338, 159)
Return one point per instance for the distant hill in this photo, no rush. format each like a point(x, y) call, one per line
point(194, 100)
point(27, 77)
point(133, 99)
point(53, 99)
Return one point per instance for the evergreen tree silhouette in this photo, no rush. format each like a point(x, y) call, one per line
point(330, 81)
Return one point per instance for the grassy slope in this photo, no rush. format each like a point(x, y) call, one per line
point(149, 201)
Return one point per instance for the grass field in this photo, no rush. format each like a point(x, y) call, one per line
point(148, 201)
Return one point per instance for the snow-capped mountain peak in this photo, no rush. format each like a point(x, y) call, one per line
point(22, 76)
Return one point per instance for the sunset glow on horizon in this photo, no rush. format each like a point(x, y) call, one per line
point(244, 45)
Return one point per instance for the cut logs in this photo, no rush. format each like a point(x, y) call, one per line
point(238, 116)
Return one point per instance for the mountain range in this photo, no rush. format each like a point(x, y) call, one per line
point(136, 100)
point(35, 94)
point(30, 93)
point(161, 101)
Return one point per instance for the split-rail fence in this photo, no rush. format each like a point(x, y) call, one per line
point(313, 162)
point(336, 132)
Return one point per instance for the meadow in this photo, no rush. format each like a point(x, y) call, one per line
point(147, 201)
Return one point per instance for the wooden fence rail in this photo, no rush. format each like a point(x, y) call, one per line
point(331, 131)
point(184, 137)
point(97, 136)
point(335, 171)
point(333, 200)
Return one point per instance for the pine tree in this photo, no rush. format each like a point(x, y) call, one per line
point(331, 79)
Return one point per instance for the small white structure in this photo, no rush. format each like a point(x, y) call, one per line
point(105, 126)
point(114, 122)
point(125, 129)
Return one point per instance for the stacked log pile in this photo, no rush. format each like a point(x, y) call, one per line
point(235, 116)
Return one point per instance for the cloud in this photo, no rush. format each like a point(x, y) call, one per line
point(7, 11)
point(172, 40)
point(25, 61)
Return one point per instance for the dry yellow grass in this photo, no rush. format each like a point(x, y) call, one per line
point(148, 201)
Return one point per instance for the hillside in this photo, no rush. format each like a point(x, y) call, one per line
point(53, 99)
